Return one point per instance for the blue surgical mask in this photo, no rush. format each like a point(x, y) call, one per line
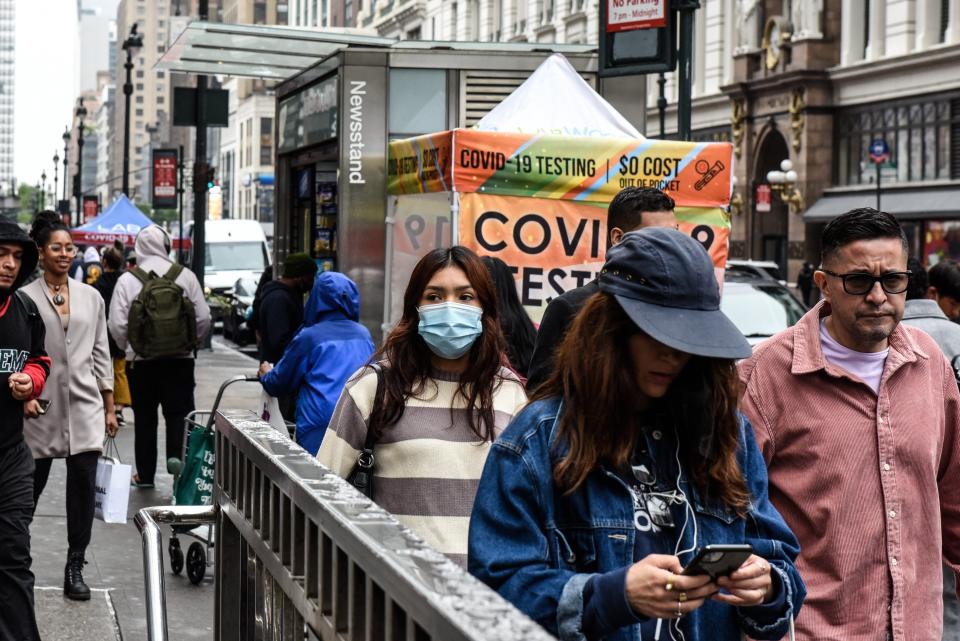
point(450, 329)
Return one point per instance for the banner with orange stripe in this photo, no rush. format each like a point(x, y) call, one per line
point(694, 174)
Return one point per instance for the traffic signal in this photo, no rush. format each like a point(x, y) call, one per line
point(204, 177)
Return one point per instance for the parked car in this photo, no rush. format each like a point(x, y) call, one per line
point(235, 317)
point(759, 306)
point(759, 268)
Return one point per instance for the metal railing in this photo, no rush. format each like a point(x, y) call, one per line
point(299, 551)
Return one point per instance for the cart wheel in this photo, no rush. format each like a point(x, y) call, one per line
point(176, 556)
point(196, 563)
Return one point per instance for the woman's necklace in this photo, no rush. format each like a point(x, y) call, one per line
point(58, 298)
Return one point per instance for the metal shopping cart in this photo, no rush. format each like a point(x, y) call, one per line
point(193, 485)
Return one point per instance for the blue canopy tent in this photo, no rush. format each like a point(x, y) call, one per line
point(120, 221)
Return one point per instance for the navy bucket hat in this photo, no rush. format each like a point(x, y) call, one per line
point(665, 282)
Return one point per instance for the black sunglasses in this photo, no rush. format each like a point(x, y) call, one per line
point(860, 283)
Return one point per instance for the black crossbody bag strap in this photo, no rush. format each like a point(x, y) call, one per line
point(361, 477)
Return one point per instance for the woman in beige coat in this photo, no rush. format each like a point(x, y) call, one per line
point(79, 390)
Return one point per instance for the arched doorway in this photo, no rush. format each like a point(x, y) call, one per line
point(770, 228)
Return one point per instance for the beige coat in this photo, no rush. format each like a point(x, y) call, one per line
point(80, 369)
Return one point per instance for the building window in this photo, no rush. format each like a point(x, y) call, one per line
point(923, 136)
point(944, 20)
point(139, 112)
point(139, 73)
point(866, 27)
point(414, 34)
point(139, 100)
point(266, 141)
point(139, 86)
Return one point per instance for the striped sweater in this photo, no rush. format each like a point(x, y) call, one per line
point(428, 464)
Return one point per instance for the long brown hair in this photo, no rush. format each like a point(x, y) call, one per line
point(407, 359)
point(596, 380)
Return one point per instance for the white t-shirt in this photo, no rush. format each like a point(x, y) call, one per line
point(867, 366)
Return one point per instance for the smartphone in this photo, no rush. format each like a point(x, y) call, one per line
point(44, 405)
point(718, 560)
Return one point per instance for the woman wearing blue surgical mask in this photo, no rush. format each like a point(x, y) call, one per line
point(444, 398)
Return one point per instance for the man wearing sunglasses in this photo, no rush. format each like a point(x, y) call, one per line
point(858, 418)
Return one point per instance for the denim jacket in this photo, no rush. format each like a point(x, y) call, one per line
point(539, 548)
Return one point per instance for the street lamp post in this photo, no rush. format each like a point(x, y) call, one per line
point(78, 181)
point(43, 188)
point(56, 171)
point(66, 158)
point(133, 41)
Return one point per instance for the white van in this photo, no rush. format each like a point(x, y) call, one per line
point(234, 249)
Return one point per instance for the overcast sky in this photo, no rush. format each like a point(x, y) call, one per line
point(45, 84)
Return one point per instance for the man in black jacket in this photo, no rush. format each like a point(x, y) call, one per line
point(24, 367)
point(633, 208)
point(280, 308)
point(279, 314)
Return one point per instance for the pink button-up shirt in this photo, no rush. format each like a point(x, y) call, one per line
point(869, 483)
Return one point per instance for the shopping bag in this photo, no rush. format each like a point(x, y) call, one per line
point(270, 412)
point(195, 483)
point(112, 488)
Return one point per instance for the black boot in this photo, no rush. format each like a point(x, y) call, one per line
point(73, 585)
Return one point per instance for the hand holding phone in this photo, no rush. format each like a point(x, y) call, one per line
point(718, 560)
point(751, 584)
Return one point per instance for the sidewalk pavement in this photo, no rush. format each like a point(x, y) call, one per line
point(114, 568)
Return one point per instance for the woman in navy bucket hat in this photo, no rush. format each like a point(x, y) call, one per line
point(630, 458)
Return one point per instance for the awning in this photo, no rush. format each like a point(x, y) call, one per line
point(255, 51)
point(267, 51)
point(906, 204)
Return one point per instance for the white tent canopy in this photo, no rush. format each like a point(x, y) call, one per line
point(556, 100)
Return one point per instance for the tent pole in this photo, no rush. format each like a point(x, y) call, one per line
point(455, 218)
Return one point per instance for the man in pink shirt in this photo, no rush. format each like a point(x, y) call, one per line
point(858, 418)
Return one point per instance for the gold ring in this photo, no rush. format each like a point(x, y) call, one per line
point(669, 585)
point(682, 597)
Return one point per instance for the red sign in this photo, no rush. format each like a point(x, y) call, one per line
point(164, 178)
point(627, 15)
point(91, 207)
point(763, 197)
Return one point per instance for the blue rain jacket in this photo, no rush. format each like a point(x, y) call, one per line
point(329, 348)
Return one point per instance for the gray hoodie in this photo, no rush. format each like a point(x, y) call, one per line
point(152, 247)
point(926, 314)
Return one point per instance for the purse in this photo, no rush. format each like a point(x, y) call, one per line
point(361, 476)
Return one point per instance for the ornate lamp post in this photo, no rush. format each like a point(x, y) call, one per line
point(81, 113)
point(784, 184)
point(133, 41)
point(43, 188)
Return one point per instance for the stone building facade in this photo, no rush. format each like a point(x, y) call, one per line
point(815, 82)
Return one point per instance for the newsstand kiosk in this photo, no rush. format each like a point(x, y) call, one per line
point(335, 120)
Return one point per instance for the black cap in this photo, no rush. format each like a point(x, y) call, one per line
point(666, 283)
point(11, 233)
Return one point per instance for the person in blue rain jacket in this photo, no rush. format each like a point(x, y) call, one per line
point(329, 348)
